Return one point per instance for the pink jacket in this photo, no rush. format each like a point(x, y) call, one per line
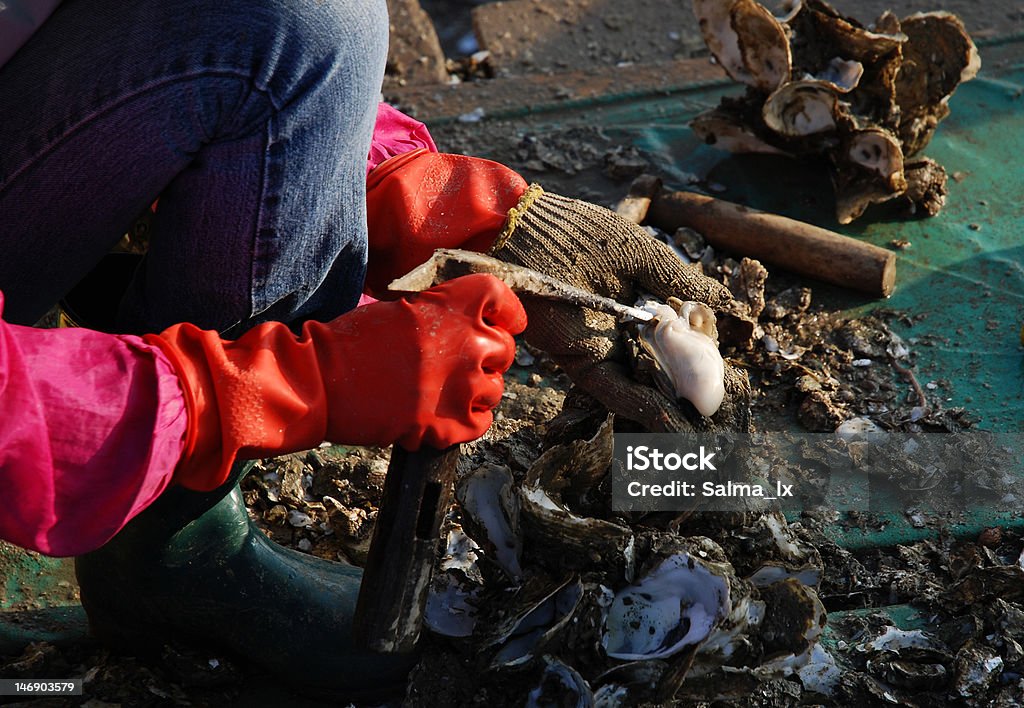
point(92, 425)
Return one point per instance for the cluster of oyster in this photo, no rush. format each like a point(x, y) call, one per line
point(539, 576)
point(822, 84)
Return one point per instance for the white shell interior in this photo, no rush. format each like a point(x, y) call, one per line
point(801, 108)
point(488, 496)
point(877, 151)
point(674, 606)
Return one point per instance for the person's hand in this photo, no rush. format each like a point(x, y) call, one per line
point(594, 248)
point(422, 370)
point(422, 200)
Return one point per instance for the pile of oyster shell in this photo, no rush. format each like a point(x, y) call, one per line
point(821, 84)
point(542, 581)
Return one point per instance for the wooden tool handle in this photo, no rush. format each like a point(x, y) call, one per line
point(393, 593)
point(789, 244)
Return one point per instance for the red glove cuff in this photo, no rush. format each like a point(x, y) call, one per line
point(421, 201)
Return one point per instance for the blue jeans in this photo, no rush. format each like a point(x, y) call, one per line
point(250, 119)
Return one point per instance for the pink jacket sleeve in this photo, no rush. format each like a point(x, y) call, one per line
point(394, 134)
point(91, 428)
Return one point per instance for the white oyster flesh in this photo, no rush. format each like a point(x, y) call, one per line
point(674, 606)
point(685, 345)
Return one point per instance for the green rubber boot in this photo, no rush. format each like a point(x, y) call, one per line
point(194, 568)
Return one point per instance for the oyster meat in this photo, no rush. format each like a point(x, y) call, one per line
point(683, 341)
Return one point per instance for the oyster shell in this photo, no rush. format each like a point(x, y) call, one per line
point(728, 132)
point(560, 685)
point(570, 540)
point(676, 605)
point(451, 610)
point(841, 75)
point(748, 42)
point(538, 613)
point(683, 341)
point(938, 56)
point(802, 108)
point(490, 507)
point(874, 172)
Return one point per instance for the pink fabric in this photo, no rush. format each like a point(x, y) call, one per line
point(91, 429)
point(394, 134)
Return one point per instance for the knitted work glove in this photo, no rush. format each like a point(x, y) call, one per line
point(593, 248)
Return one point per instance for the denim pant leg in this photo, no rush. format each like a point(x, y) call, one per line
point(250, 119)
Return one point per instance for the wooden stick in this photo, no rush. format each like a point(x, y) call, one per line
point(393, 593)
point(642, 192)
point(789, 244)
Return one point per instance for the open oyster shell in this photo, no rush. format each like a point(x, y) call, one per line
point(537, 614)
point(802, 108)
point(490, 507)
point(676, 605)
point(748, 42)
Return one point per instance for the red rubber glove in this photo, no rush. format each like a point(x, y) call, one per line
point(421, 200)
point(426, 369)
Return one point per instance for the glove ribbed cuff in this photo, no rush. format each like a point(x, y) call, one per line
point(532, 193)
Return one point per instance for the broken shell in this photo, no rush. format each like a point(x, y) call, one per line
point(977, 667)
point(894, 639)
point(570, 540)
point(491, 515)
point(450, 610)
point(683, 340)
point(726, 132)
point(771, 573)
point(821, 673)
point(802, 108)
point(560, 685)
point(749, 43)
point(841, 75)
point(869, 171)
point(674, 606)
point(533, 622)
point(908, 674)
